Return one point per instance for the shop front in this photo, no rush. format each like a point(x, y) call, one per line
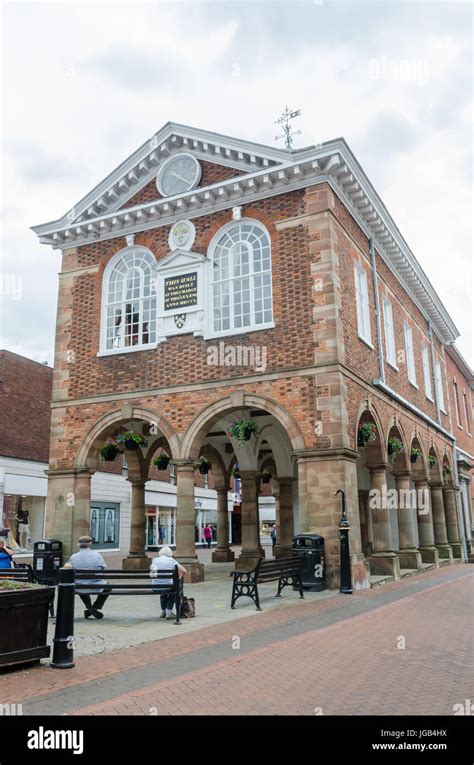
point(22, 501)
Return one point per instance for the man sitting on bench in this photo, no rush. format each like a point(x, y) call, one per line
point(165, 562)
point(88, 558)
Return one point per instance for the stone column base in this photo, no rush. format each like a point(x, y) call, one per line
point(410, 559)
point(248, 561)
point(194, 569)
point(456, 547)
point(280, 551)
point(223, 556)
point(430, 555)
point(445, 552)
point(385, 564)
point(136, 563)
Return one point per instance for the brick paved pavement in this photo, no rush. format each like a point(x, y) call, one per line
point(340, 655)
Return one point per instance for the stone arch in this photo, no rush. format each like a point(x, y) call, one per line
point(447, 473)
point(434, 471)
point(194, 437)
point(375, 452)
point(419, 468)
point(394, 429)
point(88, 450)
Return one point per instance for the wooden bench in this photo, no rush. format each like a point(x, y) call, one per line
point(285, 571)
point(122, 583)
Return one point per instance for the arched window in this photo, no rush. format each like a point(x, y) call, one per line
point(241, 277)
point(129, 301)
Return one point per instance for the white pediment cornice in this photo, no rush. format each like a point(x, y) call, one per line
point(142, 166)
point(180, 259)
point(332, 162)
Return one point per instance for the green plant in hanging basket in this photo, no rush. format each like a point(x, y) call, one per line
point(235, 471)
point(414, 454)
point(241, 431)
point(131, 440)
point(432, 460)
point(395, 447)
point(265, 476)
point(203, 465)
point(367, 432)
point(162, 460)
point(446, 472)
point(109, 451)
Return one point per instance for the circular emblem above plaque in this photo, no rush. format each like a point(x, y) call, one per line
point(182, 235)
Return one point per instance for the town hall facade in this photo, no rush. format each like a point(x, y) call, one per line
point(210, 281)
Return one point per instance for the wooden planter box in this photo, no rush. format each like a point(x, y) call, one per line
point(24, 615)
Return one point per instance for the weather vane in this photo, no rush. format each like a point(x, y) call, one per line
point(284, 121)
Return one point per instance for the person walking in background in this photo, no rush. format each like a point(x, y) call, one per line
point(274, 537)
point(208, 535)
point(89, 558)
point(165, 562)
point(6, 555)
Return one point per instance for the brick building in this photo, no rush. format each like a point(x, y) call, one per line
point(210, 281)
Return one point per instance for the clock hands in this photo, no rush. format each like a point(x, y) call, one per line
point(180, 177)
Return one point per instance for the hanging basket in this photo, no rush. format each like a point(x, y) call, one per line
point(130, 440)
point(108, 453)
point(265, 477)
point(242, 430)
point(162, 461)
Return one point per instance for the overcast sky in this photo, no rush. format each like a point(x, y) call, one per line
point(84, 84)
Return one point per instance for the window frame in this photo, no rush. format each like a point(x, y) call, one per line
point(211, 251)
point(439, 387)
point(104, 305)
point(362, 304)
point(389, 332)
point(457, 408)
point(410, 354)
point(427, 377)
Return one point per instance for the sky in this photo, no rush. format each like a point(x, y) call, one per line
point(85, 83)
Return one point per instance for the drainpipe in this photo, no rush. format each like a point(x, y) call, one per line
point(377, 311)
point(433, 372)
point(461, 517)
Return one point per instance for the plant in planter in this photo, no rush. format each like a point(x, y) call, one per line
point(24, 611)
point(265, 476)
point(432, 460)
point(414, 454)
point(395, 447)
point(131, 440)
point(242, 430)
point(203, 465)
point(367, 432)
point(235, 471)
point(109, 451)
point(162, 460)
point(446, 472)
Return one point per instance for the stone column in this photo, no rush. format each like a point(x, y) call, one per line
point(410, 556)
point(68, 507)
point(452, 525)
point(366, 544)
point(286, 530)
point(250, 553)
point(321, 472)
point(222, 553)
point(439, 523)
point(276, 497)
point(137, 557)
point(429, 553)
point(384, 560)
point(186, 521)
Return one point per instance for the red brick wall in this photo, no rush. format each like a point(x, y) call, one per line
point(464, 434)
point(183, 359)
point(25, 395)
point(211, 173)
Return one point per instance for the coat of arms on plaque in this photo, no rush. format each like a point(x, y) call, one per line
point(180, 320)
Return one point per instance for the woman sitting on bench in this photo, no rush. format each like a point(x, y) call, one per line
point(165, 562)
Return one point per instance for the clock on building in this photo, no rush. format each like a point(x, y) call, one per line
point(180, 173)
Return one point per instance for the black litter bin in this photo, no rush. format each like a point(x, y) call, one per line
point(313, 572)
point(47, 560)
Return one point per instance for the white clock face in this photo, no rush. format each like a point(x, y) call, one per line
point(179, 174)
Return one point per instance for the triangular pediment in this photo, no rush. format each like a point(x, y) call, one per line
point(141, 167)
point(180, 258)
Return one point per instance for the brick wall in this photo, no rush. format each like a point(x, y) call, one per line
point(463, 430)
point(25, 395)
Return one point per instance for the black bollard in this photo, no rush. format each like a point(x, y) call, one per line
point(344, 528)
point(63, 643)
